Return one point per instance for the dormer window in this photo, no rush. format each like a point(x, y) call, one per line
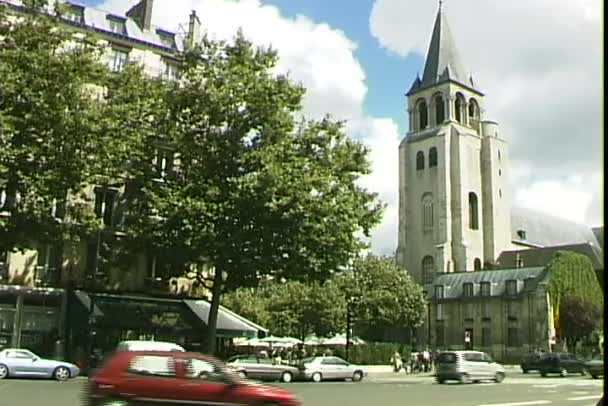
point(117, 25)
point(511, 287)
point(485, 289)
point(167, 39)
point(74, 14)
point(439, 292)
point(528, 283)
point(467, 289)
point(118, 59)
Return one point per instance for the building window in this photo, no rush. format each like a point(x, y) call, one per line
point(513, 309)
point(163, 163)
point(512, 337)
point(485, 310)
point(427, 211)
point(468, 344)
point(459, 108)
point(528, 283)
point(439, 110)
point(439, 315)
point(469, 311)
point(467, 289)
point(433, 157)
point(473, 212)
point(511, 287)
point(167, 39)
point(477, 264)
point(428, 269)
point(48, 265)
point(439, 333)
point(485, 289)
point(420, 161)
point(423, 115)
point(171, 70)
point(439, 292)
point(117, 25)
point(104, 204)
point(118, 59)
point(58, 207)
point(486, 336)
point(3, 264)
point(473, 113)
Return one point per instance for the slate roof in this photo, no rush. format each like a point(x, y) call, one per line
point(541, 256)
point(543, 230)
point(442, 60)
point(98, 20)
point(453, 281)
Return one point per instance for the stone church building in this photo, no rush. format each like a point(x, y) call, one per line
point(455, 216)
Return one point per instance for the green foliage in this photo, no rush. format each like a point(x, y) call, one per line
point(386, 294)
point(579, 319)
point(572, 274)
point(249, 303)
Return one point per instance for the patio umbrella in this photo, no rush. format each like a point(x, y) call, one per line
point(254, 342)
point(340, 340)
point(312, 340)
point(281, 341)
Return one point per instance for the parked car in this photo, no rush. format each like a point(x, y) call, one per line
point(318, 369)
point(175, 378)
point(561, 363)
point(595, 367)
point(148, 346)
point(467, 366)
point(21, 363)
point(530, 362)
point(250, 366)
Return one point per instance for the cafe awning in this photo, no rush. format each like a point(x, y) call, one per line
point(229, 324)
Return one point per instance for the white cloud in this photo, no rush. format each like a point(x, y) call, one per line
point(539, 63)
point(322, 59)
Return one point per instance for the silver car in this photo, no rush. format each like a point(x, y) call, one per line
point(467, 366)
point(317, 369)
point(250, 366)
point(23, 363)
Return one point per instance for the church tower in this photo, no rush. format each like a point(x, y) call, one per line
point(454, 188)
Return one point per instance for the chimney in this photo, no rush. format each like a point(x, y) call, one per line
point(521, 234)
point(519, 262)
point(194, 28)
point(141, 13)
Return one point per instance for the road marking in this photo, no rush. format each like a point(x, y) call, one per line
point(580, 392)
point(586, 397)
point(545, 386)
point(532, 402)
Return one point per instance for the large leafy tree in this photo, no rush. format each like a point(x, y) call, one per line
point(384, 295)
point(255, 192)
point(47, 125)
point(579, 318)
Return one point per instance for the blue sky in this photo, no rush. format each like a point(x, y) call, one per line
point(358, 58)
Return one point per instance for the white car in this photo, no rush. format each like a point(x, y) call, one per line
point(468, 366)
point(21, 363)
point(319, 369)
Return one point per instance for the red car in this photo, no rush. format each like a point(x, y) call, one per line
point(137, 378)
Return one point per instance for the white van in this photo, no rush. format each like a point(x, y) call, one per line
point(467, 366)
point(148, 346)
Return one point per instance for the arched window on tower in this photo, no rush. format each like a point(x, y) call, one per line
point(473, 212)
point(420, 161)
point(459, 108)
point(473, 113)
point(423, 114)
point(428, 220)
point(477, 264)
point(432, 157)
point(428, 269)
point(439, 109)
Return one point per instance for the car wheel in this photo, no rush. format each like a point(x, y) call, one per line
point(242, 374)
point(357, 376)
point(317, 377)
point(543, 373)
point(286, 377)
point(3, 371)
point(525, 371)
point(61, 374)
point(440, 381)
point(583, 372)
point(563, 373)
point(465, 378)
point(499, 377)
point(595, 376)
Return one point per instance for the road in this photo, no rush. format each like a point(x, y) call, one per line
point(382, 390)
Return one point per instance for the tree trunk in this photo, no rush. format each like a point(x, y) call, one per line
point(216, 293)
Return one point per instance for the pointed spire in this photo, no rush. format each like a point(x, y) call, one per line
point(442, 59)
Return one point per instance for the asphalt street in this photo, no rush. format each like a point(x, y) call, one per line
point(379, 390)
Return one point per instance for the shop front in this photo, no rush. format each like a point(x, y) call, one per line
point(33, 318)
point(99, 321)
